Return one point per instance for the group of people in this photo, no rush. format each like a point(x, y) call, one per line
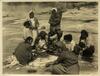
point(41, 44)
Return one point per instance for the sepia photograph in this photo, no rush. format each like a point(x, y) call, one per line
point(54, 38)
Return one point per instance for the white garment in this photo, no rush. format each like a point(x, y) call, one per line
point(70, 45)
point(89, 40)
point(27, 32)
point(33, 22)
point(42, 43)
point(34, 32)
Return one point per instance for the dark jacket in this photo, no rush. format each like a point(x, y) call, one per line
point(67, 58)
point(23, 53)
point(55, 19)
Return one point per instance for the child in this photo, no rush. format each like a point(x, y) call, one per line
point(52, 40)
point(41, 42)
point(89, 47)
point(35, 24)
point(69, 42)
point(27, 29)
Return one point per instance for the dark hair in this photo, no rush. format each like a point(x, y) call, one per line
point(27, 24)
point(42, 34)
point(84, 34)
point(31, 14)
point(68, 37)
point(28, 39)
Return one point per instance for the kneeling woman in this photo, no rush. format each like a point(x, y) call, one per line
point(67, 62)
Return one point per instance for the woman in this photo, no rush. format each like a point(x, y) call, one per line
point(22, 55)
point(67, 62)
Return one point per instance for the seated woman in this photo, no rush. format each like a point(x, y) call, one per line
point(89, 48)
point(66, 63)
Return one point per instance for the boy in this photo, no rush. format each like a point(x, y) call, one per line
point(34, 23)
point(69, 42)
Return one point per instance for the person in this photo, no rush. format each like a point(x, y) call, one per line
point(78, 48)
point(35, 24)
point(23, 51)
point(66, 63)
point(22, 54)
point(52, 40)
point(89, 48)
point(41, 42)
point(54, 21)
point(69, 42)
point(27, 30)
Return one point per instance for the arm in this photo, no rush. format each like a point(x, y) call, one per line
point(36, 23)
point(59, 59)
